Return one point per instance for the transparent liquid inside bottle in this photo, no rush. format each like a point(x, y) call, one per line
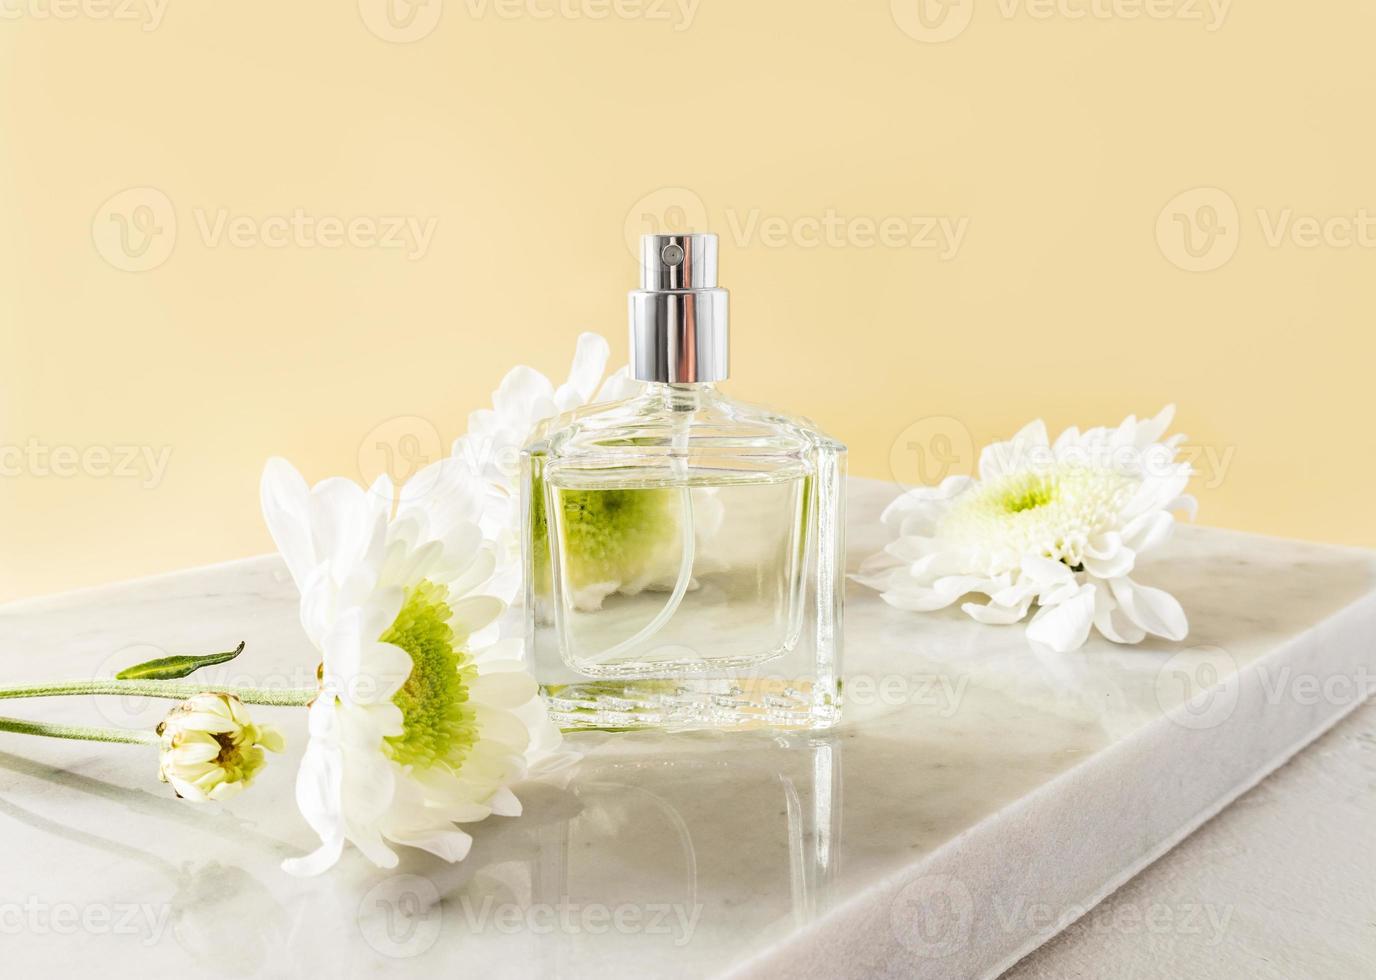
point(623, 549)
point(682, 556)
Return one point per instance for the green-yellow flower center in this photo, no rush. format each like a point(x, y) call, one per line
point(438, 724)
point(610, 535)
point(239, 757)
point(1032, 490)
point(1052, 511)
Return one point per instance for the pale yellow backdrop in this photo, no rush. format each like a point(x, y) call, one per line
point(938, 220)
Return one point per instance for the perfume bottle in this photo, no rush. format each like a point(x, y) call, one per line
point(683, 551)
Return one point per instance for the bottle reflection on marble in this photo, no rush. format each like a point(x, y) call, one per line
point(664, 855)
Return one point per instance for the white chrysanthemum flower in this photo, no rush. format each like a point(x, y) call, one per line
point(525, 398)
point(1056, 525)
point(210, 749)
point(423, 721)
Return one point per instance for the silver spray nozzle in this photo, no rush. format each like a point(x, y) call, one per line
point(679, 315)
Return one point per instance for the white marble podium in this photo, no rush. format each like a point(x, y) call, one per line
point(976, 800)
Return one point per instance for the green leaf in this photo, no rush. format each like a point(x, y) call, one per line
point(180, 665)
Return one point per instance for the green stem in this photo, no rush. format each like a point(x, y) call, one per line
point(279, 697)
point(126, 735)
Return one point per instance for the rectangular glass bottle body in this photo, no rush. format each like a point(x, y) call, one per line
point(683, 561)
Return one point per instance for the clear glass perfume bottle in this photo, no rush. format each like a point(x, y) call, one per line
point(683, 551)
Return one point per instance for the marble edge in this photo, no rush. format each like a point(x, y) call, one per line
point(38, 603)
point(843, 941)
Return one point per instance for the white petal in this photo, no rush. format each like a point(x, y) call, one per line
point(498, 728)
point(1046, 571)
point(447, 843)
point(1110, 621)
point(1064, 627)
point(445, 494)
point(360, 669)
point(507, 689)
point(504, 803)
point(1118, 562)
point(589, 361)
point(918, 599)
point(926, 500)
point(480, 568)
point(368, 839)
point(319, 784)
point(1027, 448)
point(348, 530)
point(472, 613)
point(1147, 531)
point(1151, 431)
point(1186, 503)
point(285, 499)
point(524, 394)
point(1153, 610)
point(958, 585)
point(618, 386)
point(993, 614)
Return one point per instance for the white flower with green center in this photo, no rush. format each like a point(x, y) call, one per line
point(210, 749)
point(525, 398)
point(1056, 525)
point(424, 719)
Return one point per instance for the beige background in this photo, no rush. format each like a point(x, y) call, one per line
point(1161, 207)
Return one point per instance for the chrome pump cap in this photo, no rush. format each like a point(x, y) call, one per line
point(678, 315)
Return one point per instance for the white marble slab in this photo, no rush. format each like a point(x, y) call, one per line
point(974, 800)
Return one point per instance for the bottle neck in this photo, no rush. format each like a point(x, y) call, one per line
point(680, 396)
